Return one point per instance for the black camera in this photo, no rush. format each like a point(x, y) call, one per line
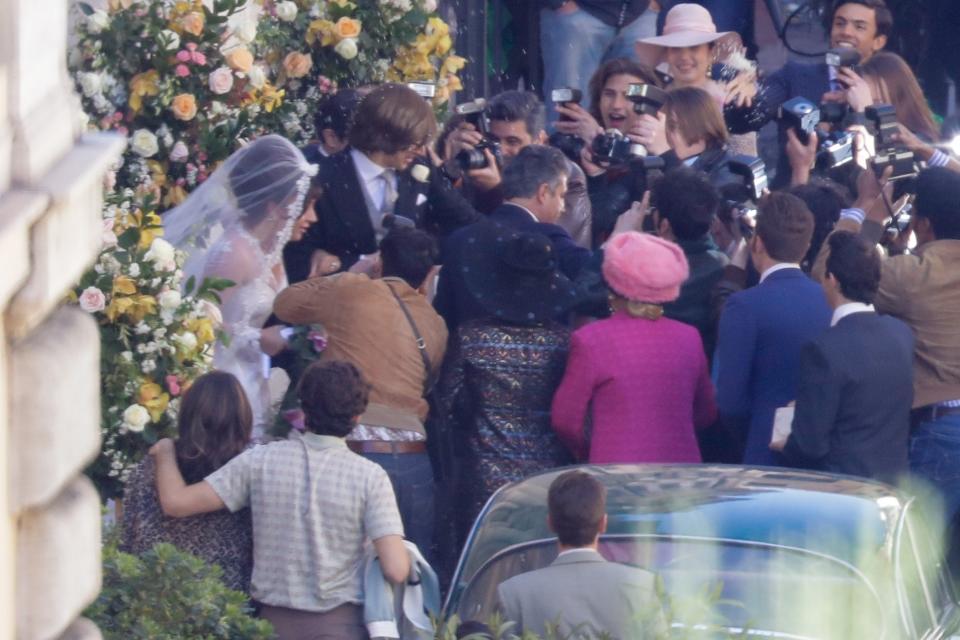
point(612, 147)
point(475, 112)
point(834, 113)
point(569, 144)
point(753, 173)
point(835, 150)
point(842, 57)
point(882, 124)
point(802, 116)
point(647, 99)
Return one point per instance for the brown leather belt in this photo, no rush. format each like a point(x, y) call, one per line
point(386, 446)
point(933, 412)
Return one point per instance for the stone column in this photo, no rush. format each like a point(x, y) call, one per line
point(50, 200)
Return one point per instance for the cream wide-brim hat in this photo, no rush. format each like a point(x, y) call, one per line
point(687, 25)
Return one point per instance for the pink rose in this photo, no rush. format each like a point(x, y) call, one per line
point(109, 237)
point(182, 70)
point(183, 56)
point(173, 385)
point(198, 58)
point(191, 46)
point(318, 339)
point(92, 300)
point(221, 80)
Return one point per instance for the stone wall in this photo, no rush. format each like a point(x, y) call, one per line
point(50, 197)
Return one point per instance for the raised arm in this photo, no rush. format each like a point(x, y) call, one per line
point(178, 499)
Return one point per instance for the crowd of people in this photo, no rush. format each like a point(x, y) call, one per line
point(495, 305)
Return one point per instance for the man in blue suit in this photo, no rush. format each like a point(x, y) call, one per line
point(763, 329)
point(863, 25)
point(856, 380)
point(534, 184)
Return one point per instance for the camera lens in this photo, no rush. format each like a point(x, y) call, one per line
point(470, 159)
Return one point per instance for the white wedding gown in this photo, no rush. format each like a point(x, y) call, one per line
point(245, 307)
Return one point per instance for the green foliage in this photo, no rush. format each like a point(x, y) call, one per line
point(167, 593)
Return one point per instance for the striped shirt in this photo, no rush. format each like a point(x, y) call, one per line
point(314, 504)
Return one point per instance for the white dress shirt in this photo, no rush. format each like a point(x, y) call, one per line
point(371, 178)
point(849, 308)
point(778, 267)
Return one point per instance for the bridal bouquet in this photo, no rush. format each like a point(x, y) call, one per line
point(154, 340)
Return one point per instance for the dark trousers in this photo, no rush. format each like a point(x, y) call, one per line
point(340, 623)
point(412, 479)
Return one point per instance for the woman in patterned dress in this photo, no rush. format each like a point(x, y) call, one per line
point(214, 426)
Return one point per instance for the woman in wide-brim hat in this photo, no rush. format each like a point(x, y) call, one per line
point(501, 371)
point(689, 48)
point(643, 378)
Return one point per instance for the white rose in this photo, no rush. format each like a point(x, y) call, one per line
point(347, 48)
point(246, 32)
point(134, 270)
point(144, 143)
point(257, 77)
point(92, 300)
point(179, 153)
point(90, 83)
point(108, 236)
point(221, 80)
point(429, 6)
point(98, 21)
point(169, 40)
point(186, 340)
point(211, 311)
point(287, 11)
point(162, 255)
point(135, 418)
point(420, 173)
point(169, 299)
point(126, 356)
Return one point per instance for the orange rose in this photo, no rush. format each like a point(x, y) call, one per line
point(240, 59)
point(192, 23)
point(297, 65)
point(347, 28)
point(184, 106)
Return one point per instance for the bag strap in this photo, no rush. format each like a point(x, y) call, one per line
point(421, 344)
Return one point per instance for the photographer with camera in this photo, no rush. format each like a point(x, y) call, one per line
point(513, 120)
point(384, 174)
point(858, 30)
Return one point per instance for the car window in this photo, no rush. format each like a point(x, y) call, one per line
point(924, 582)
point(730, 584)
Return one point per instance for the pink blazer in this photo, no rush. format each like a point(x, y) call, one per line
point(646, 385)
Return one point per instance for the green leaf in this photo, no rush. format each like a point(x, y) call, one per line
point(85, 8)
point(191, 283)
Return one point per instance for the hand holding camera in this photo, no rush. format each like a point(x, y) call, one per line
point(612, 147)
point(858, 94)
point(577, 121)
point(651, 132)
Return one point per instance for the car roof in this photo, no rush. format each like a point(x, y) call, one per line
point(825, 513)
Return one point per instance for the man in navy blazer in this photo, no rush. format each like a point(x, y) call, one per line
point(376, 176)
point(856, 380)
point(863, 25)
point(534, 184)
point(762, 329)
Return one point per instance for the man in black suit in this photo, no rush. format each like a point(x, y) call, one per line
point(382, 173)
point(534, 185)
point(863, 25)
point(856, 380)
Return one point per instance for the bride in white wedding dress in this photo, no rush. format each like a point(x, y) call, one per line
point(235, 227)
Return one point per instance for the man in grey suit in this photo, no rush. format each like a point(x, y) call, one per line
point(580, 592)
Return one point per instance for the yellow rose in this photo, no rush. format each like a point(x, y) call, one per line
point(141, 86)
point(124, 286)
point(240, 59)
point(118, 307)
point(347, 28)
point(322, 30)
point(453, 64)
point(184, 106)
point(192, 23)
point(175, 196)
point(443, 45)
point(143, 306)
point(203, 329)
point(297, 64)
point(154, 399)
point(150, 227)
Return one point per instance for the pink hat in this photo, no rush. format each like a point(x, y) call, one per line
point(644, 268)
point(687, 25)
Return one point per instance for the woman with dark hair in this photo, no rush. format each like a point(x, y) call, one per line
point(889, 80)
point(213, 424)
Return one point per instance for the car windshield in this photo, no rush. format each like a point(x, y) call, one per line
point(713, 584)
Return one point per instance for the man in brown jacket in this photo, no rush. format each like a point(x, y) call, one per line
point(385, 327)
point(923, 290)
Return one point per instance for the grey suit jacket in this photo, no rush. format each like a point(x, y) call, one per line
point(584, 593)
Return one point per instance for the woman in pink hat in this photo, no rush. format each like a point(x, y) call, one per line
point(687, 50)
point(643, 378)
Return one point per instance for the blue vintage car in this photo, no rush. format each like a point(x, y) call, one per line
point(759, 552)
